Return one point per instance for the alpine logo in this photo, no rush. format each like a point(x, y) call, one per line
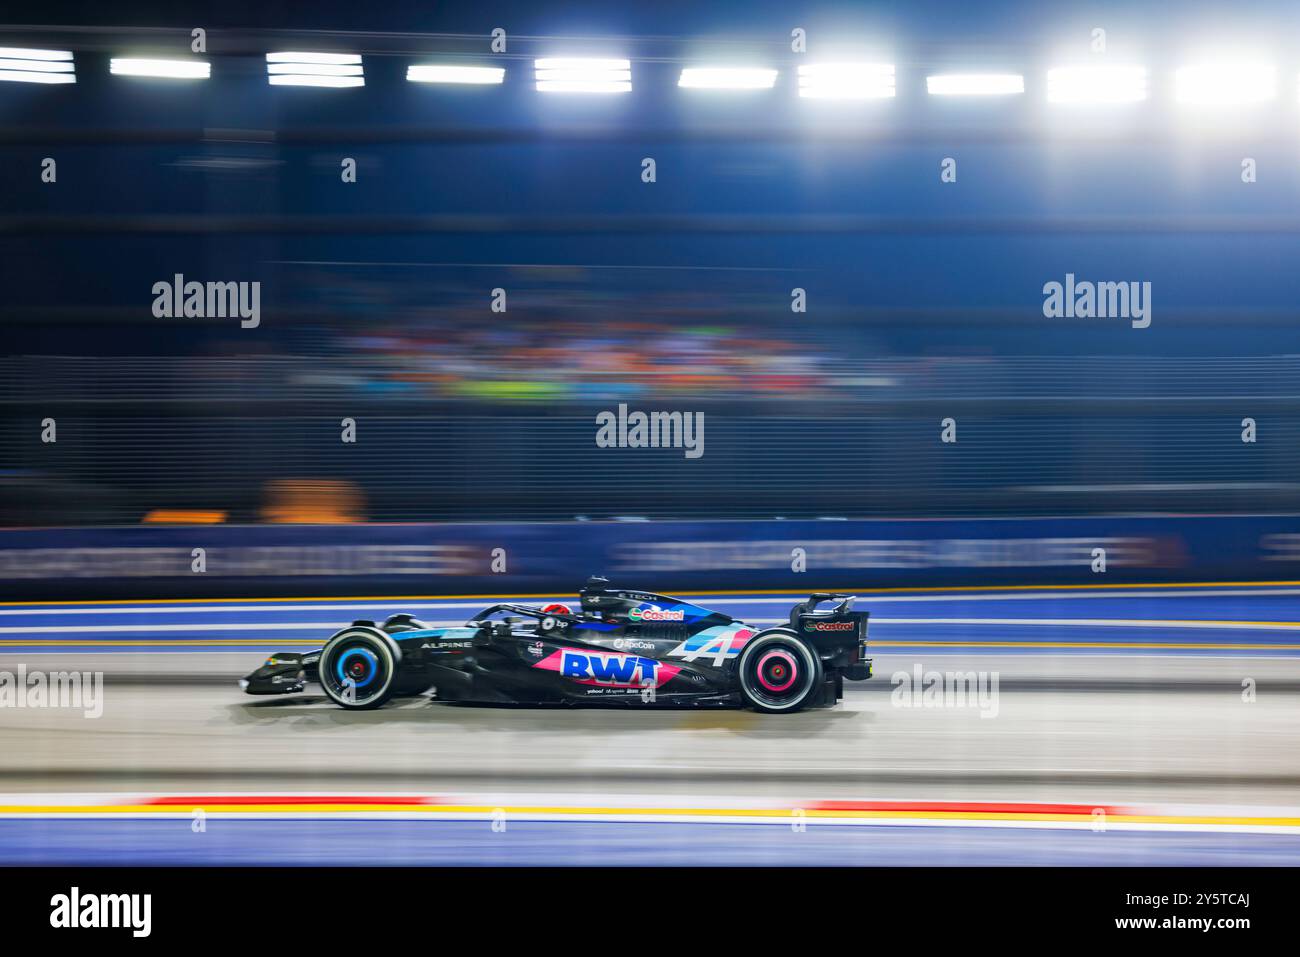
point(718, 643)
point(656, 614)
point(830, 626)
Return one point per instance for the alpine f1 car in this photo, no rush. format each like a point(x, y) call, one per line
point(621, 647)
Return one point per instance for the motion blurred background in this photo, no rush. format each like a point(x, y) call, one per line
point(1099, 536)
point(924, 298)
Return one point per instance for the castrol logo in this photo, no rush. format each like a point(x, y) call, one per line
point(656, 614)
point(829, 626)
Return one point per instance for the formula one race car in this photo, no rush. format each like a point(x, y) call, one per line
point(620, 647)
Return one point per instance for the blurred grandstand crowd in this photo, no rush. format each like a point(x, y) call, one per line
point(463, 414)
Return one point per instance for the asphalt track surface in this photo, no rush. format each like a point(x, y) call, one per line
point(1127, 700)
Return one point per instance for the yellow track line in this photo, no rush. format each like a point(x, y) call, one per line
point(435, 810)
point(758, 591)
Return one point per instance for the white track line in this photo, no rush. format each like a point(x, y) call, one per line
point(398, 605)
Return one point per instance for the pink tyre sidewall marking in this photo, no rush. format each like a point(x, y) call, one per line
point(790, 663)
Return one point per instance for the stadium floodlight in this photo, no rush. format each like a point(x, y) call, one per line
point(1226, 83)
point(583, 75)
point(974, 84)
point(315, 69)
point(454, 73)
point(1097, 84)
point(726, 78)
point(846, 81)
point(21, 65)
point(161, 69)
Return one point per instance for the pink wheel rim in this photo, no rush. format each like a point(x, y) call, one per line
point(783, 673)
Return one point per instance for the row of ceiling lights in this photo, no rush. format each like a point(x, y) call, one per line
point(1212, 83)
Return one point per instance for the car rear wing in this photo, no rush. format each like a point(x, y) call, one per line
point(809, 607)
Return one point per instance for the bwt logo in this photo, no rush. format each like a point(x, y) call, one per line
point(615, 671)
point(179, 299)
point(1098, 300)
point(651, 430)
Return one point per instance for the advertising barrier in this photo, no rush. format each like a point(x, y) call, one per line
point(516, 559)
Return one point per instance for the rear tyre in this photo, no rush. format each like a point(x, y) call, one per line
point(778, 672)
point(358, 668)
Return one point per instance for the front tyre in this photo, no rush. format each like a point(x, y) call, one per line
point(358, 668)
point(778, 672)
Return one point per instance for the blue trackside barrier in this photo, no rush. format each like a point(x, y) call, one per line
point(510, 559)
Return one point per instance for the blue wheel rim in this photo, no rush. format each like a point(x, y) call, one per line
point(372, 667)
